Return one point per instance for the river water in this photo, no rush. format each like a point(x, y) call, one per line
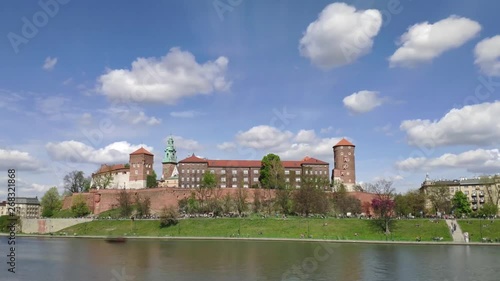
point(71, 259)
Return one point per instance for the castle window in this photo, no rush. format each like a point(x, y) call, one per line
point(245, 172)
point(223, 179)
point(234, 172)
point(287, 172)
point(234, 185)
point(187, 179)
point(223, 171)
point(147, 172)
point(234, 179)
point(223, 185)
point(212, 172)
point(298, 172)
point(255, 179)
point(198, 171)
point(197, 179)
point(255, 172)
point(192, 179)
point(287, 180)
point(136, 172)
point(188, 171)
point(245, 179)
point(245, 185)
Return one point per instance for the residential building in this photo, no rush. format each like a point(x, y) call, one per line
point(4, 208)
point(478, 190)
point(25, 207)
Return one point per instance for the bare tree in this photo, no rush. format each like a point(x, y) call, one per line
point(75, 182)
point(311, 197)
point(240, 201)
point(439, 196)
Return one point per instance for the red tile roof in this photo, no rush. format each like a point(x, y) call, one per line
point(344, 142)
point(250, 163)
point(141, 150)
point(106, 169)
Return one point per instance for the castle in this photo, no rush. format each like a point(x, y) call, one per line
point(188, 172)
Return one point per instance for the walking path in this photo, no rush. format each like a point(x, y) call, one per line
point(457, 235)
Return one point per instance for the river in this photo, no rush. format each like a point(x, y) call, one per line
point(72, 259)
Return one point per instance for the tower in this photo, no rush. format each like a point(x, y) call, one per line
point(169, 167)
point(344, 168)
point(141, 166)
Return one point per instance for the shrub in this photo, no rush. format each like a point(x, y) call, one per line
point(168, 217)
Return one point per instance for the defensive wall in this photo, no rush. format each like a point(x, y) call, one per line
point(43, 226)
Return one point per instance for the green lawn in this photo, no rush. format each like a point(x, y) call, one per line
point(336, 229)
point(478, 228)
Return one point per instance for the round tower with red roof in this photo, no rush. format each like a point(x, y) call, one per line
point(344, 168)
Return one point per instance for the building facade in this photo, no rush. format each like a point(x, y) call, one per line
point(25, 207)
point(132, 175)
point(344, 167)
point(244, 173)
point(478, 190)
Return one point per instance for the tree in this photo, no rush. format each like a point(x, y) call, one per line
point(439, 196)
point(383, 203)
point(205, 189)
point(344, 203)
point(461, 204)
point(75, 182)
point(79, 207)
point(272, 174)
point(51, 202)
point(124, 203)
point(283, 199)
point(151, 180)
point(86, 184)
point(103, 181)
point(488, 210)
point(168, 217)
point(143, 206)
point(310, 197)
point(227, 203)
point(412, 202)
point(240, 201)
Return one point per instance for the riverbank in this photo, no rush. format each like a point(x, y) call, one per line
point(270, 228)
point(200, 238)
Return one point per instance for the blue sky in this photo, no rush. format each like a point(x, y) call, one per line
point(413, 84)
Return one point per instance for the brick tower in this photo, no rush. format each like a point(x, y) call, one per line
point(169, 163)
point(141, 166)
point(344, 168)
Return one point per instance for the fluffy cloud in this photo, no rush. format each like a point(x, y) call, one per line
point(287, 145)
point(186, 144)
point(487, 54)
point(474, 161)
point(166, 80)
point(185, 114)
point(470, 125)
point(19, 160)
point(363, 101)
point(74, 151)
point(340, 35)
point(227, 146)
point(424, 41)
point(49, 63)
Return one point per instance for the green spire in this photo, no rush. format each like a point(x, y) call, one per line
point(170, 152)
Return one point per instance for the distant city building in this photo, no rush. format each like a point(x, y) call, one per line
point(25, 207)
point(132, 175)
point(478, 190)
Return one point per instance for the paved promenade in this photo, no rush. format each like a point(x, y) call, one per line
point(457, 235)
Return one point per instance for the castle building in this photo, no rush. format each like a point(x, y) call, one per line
point(344, 168)
point(132, 175)
point(244, 173)
point(170, 175)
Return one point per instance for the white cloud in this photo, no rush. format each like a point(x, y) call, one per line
point(340, 35)
point(49, 63)
point(363, 101)
point(306, 136)
point(471, 125)
point(186, 144)
point(185, 114)
point(227, 146)
point(287, 145)
point(19, 160)
point(424, 41)
point(263, 137)
point(133, 115)
point(74, 151)
point(475, 161)
point(487, 54)
point(167, 80)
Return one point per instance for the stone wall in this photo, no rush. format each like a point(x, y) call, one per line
point(43, 226)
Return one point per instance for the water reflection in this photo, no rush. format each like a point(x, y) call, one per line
point(87, 259)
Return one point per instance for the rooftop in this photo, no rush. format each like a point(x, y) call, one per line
point(344, 142)
point(141, 150)
point(250, 163)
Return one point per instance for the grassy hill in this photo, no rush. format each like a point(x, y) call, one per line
point(478, 228)
point(330, 228)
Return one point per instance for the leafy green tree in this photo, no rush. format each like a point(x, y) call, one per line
point(79, 207)
point(6, 221)
point(51, 202)
point(412, 202)
point(272, 173)
point(125, 203)
point(103, 181)
point(151, 180)
point(75, 182)
point(488, 209)
point(460, 204)
point(439, 196)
